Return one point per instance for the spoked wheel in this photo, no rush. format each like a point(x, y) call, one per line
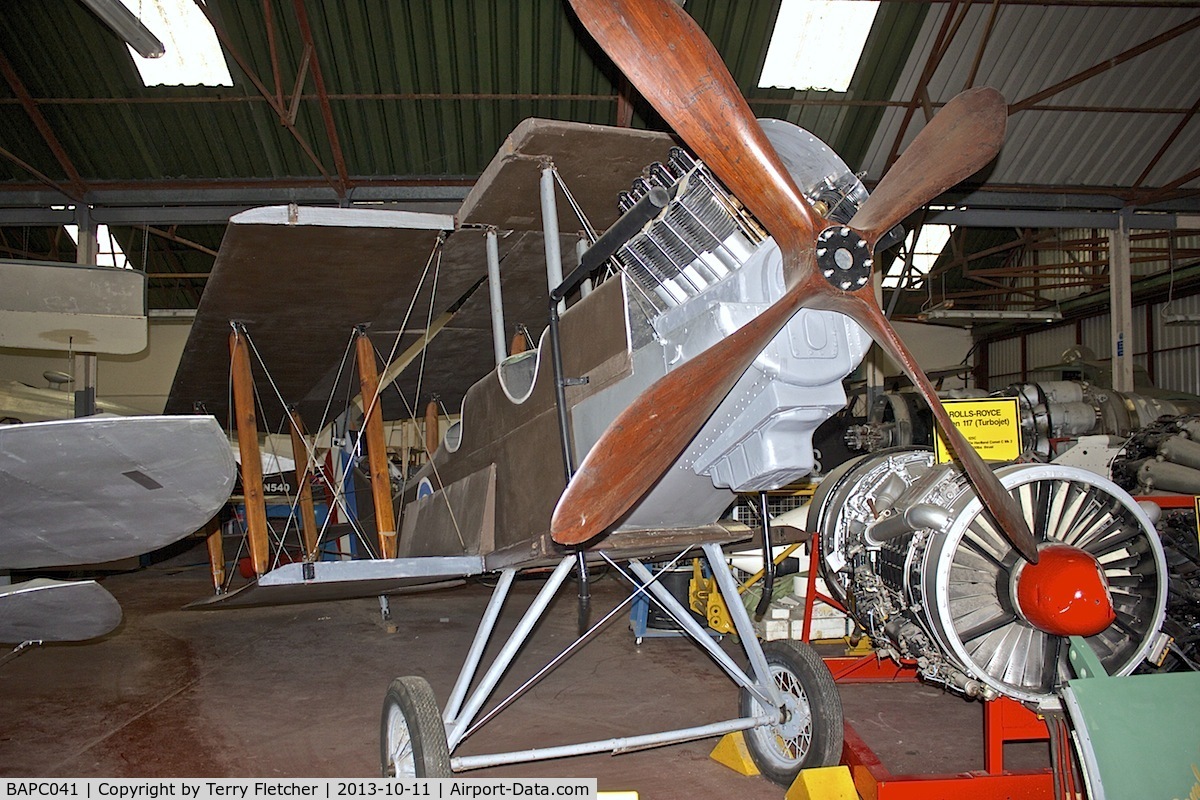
point(412, 737)
point(810, 733)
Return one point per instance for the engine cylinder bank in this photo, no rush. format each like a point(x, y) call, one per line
point(947, 592)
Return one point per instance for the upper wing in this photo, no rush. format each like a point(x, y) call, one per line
point(301, 279)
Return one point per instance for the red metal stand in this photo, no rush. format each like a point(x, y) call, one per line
point(1166, 501)
point(1004, 720)
point(873, 781)
point(1007, 720)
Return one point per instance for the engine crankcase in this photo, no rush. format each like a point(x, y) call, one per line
point(906, 546)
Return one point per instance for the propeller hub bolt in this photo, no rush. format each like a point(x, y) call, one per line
point(844, 258)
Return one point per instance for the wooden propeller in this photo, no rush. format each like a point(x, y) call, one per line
point(669, 59)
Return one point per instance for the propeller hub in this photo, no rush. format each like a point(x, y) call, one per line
point(1065, 593)
point(844, 258)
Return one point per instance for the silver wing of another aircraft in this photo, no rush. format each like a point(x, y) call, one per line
point(48, 610)
point(98, 489)
point(103, 488)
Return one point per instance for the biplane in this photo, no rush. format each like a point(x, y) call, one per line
point(693, 336)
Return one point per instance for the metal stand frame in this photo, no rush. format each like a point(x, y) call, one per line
point(1004, 720)
point(461, 715)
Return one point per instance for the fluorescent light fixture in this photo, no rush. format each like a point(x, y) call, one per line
point(194, 56)
point(108, 251)
point(1180, 319)
point(124, 22)
point(985, 314)
point(816, 44)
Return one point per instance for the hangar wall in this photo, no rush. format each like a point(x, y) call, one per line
point(1170, 354)
point(143, 380)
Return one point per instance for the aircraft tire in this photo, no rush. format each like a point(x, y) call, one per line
point(411, 727)
point(780, 751)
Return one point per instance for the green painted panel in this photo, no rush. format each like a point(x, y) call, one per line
point(1142, 733)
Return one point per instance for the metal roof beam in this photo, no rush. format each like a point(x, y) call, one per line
point(35, 201)
point(172, 236)
point(1105, 65)
point(43, 127)
point(1168, 188)
point(615, 99)
point(949, 28)
point(1166, 145)
point(53, 184)
point(1031, 197)
point(244, 65)
point(269, 21)
point(983, 42)
point(1043, 218)
point(335, 145)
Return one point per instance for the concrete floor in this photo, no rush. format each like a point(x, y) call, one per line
point(296, 691)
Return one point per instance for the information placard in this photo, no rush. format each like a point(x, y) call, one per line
point(992, 425)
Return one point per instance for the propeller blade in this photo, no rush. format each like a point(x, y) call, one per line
point(958, 142)
point(648, 436)
point(665, 54)
point(995, 498)
point(672, 63)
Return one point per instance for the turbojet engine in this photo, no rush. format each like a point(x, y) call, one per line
point(906, 547)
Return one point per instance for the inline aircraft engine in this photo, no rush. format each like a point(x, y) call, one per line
point(906, 547)
point(703, 268)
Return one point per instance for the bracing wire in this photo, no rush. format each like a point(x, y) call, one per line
point(587, 225)
point(338, 497)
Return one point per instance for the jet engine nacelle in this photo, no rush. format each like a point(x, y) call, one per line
point(906, 547)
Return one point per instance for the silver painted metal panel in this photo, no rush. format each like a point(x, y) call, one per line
point(425, 567)
point(102, 488)
point(345, 217)
point(56, 611)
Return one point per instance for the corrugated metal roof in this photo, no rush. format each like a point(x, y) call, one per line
point(416, 89)
point(424, 92)
point(1031, 48)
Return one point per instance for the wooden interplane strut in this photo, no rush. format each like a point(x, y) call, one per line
point(304, 498)
point(372, 433)
point(246, 422)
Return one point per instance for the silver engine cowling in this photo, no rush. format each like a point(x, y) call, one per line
point(906, 547)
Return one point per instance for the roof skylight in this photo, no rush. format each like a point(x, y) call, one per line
point(108, 250)
point(193, 56)
point(817, 43)
point(929, 245)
